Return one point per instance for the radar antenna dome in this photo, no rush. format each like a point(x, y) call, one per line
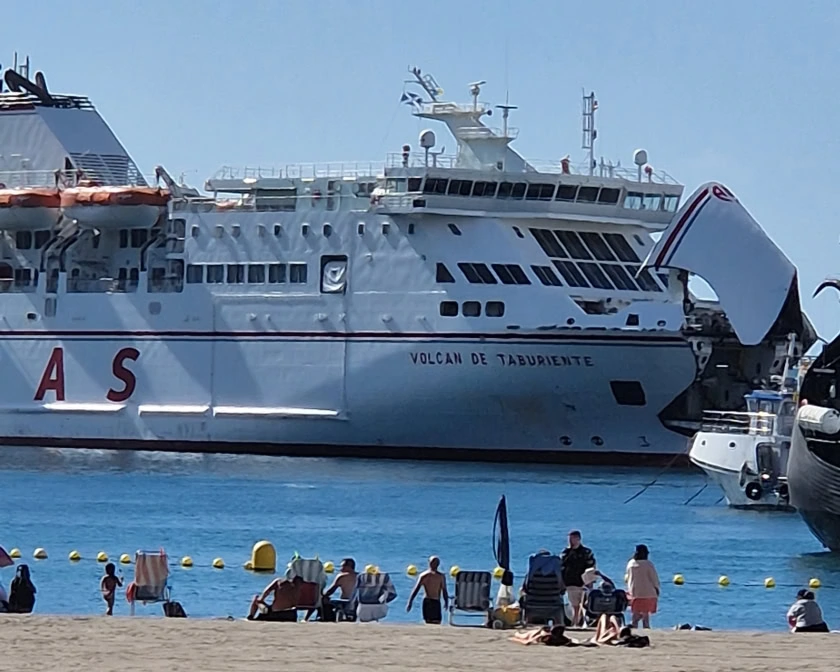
point(640, 157)
point(427, 139)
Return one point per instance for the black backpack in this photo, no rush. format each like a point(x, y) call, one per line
point(174, 610)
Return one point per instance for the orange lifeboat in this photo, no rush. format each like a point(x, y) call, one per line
point(36, 208)
point(119, 207)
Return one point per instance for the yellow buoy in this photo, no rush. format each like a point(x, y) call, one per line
point(186, 561)
point(74, 556)
point(40, 554)
point(370, 569)
point(679, 579)
point(814, 583)
point(263, 557)
point(125, 559)
point(218, 563)
point(329, 567)
point(14, 553)
point(411, 570)
point(723, 581)
point(769, 582)
point(498, 573)
point(453, 571)
point(102, 556)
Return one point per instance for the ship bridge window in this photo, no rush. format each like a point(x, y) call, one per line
point(442, 273)
point(621, 247)
point(600, 250)
point(518, 190)
point(628, 392)
point(547, 276)
point(633, 200)
point(195, 274)
point(471, 309)
point(587, 195)
point(297, 273)
point(435, 185)
point(276, 274)
point(566, 192)
point(644, 279)
point(609, 196)
point(494, 309)
point(215, 273)
point(511, 274)
point(484, 189)
point(275, 200)
point(549, 243)
point(572, 242)
point(139, 237)
point(449, 308)
point(256, 274)
point(460, 187)
point(414, 184)
point(23, 240)
point(515, 190)
point(571, 274)
point(595, 275)
point(651, 202)
point(620, 277)
point(235, 274)
point(670, 203)
point(477, 274)
point(540, 192)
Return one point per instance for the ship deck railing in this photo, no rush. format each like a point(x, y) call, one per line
point(52, 179)
point(741, 422)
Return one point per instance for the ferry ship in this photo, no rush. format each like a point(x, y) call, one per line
point(475, 306)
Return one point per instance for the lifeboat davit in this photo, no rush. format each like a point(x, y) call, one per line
point(36, 208)
point(117, 207)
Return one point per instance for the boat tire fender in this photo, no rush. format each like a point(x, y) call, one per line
point(753, 491)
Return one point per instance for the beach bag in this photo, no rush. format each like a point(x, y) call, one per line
point(21, 596)
point(174, 610)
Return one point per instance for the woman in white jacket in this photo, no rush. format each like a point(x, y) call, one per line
point(642, 587)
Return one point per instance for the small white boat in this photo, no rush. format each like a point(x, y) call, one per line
point(746, 453)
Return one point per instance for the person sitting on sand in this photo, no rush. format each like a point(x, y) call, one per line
point(345, 581)
point(108, 586)
point(433, 583)
point(284, 603)
point(805, 614)
point(22, 592)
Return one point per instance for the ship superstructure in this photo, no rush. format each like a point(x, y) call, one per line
point(478, 305)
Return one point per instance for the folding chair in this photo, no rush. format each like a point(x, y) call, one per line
point(472, 596)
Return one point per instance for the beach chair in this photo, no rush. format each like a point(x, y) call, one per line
point(603, 601)
point(151, 580)
point(371, 597)
point(311, 570)
point(472, 596)
point(543, 591)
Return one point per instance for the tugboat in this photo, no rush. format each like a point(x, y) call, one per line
point(746, 454)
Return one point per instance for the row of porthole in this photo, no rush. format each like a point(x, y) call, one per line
point(472, 309)
point(327, 229)
point(567, 441)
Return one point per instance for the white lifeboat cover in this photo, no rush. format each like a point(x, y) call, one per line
point(715, 237)
point(819, 419)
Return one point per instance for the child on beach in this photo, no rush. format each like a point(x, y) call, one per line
point(109, 584)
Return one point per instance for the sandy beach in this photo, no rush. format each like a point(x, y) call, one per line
point(128, 645)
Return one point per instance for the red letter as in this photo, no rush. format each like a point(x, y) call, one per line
point(53, 378)
point(123, 374)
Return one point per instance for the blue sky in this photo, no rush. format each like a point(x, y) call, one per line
point(740, 92)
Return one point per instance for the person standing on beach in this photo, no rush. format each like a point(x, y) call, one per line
point(108, 585)
point(433, 583)
point(576, 558)
point(642, 586)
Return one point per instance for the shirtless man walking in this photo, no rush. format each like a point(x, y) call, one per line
point(434, 585)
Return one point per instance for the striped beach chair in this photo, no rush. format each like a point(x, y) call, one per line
point(371, 597)
point(151, 579)
point(472, 596)
point(543, 599)
point(311, 570)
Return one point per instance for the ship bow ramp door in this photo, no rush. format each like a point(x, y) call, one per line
point(278, 356)
point(715, 237)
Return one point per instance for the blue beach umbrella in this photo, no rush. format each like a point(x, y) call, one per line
point(501, 541)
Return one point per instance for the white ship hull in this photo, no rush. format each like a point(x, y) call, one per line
point(344, 394)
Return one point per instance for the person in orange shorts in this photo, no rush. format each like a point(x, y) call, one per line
point(642, 587)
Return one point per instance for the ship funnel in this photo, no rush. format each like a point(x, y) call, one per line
point(16, 82)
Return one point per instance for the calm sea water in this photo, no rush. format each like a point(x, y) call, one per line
point(391, 514)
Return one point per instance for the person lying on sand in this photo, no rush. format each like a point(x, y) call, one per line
point(550, 636)
point(284, 604)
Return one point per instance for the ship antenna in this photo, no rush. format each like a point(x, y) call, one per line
point(506, 108)
point(589, 132)
point(430, 86)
